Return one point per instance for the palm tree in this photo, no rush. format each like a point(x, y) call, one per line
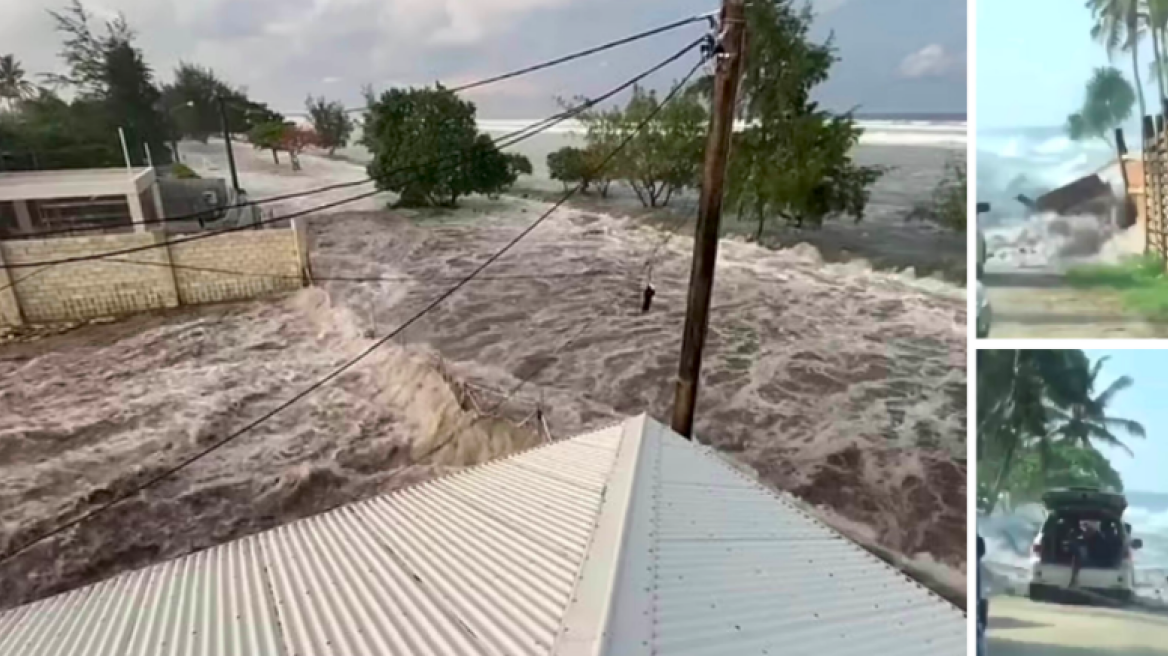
point(1013, 389)
point(1119, 26)
point(1085, 422)
point(1042, 403)
point(13, 86)
point(1156, 18)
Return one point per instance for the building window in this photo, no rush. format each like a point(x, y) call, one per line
point(8, 223)
point(96, 214)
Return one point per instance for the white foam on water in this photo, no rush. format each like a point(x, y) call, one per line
point(885, 133)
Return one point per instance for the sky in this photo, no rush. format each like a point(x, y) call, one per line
point(1144, 402)
point(897, 55)
point(1034, 59)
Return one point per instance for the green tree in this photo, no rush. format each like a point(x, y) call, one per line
point(192, 102)
point(332, 123)
point(489, 170)
point(1107, 105)
point(13, 86)
point(947, 206)
point(111, 70)
point(1039, 420)
point(49, 133)
point(1085, 421)
point(666, 156)
point(794, 161)
point(570, 166)
point(604, 131)
point(269, 136)
point(427, 149)
point(519, 165)
point(1119, 26)
point(1156, 19)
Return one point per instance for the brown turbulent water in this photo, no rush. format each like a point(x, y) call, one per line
point(842, 385)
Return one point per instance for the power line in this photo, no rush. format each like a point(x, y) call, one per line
point(186, 462)
point(576, 55)
point(511, 139)
point(584, 328)
point(361, 279)
point(202, 214)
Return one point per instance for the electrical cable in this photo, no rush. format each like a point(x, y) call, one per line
point(360, 279)
point(497, 78)
point(186, 462)
point(511, 139)
point(576, 55)
point(548, 359)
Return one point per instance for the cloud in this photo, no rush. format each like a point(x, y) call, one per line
point(282, 50)
point(930, 61)
point(823, 7)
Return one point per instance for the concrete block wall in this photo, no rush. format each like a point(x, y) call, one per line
point(146, 280)
point(272, 253)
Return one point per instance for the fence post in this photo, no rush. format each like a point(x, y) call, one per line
point(10, 314)
point(175, 290)
point(300, 235)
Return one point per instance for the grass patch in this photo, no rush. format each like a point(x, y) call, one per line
point(1141, 279)
point(1141, 271)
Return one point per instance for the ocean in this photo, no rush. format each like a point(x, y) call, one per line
point(1009, 536)
point(917, 150)
point(1031, 161)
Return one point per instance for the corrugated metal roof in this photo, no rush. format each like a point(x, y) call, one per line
point(628, 540)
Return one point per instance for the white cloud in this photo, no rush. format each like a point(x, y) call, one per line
point(827, 6)
point(930, 61)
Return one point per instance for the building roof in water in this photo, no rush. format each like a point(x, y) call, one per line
point(628, 540)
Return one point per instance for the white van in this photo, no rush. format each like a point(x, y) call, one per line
point(1107, 572)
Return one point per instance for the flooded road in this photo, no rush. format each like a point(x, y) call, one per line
point(1020, 627)
point(843, 385)
point(1044, 306)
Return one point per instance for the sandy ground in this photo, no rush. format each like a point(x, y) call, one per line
point(1038, 306)
point(842, 385)
point(1019, 627)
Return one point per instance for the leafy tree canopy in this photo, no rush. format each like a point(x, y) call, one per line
point(332, 123)
point(426, 148)
point(1041, 414)
point(1108, 103)
point(794, 160)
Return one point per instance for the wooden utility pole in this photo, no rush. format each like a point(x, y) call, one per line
point(227, 142)
point(730, 51)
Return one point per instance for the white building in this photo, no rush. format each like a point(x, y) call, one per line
point(106, 200)
point(628, 541)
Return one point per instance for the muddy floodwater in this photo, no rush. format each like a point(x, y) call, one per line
point(840, 384)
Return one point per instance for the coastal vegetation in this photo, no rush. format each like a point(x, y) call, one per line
point(1041, 416)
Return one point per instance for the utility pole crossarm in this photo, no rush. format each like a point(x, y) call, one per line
point(729, 56)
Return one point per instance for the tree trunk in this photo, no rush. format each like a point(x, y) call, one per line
point(761, 225)
point(1159, 69)
point(668, 197)
point(276, 156)
point(1003, 472)
point(1139, 83)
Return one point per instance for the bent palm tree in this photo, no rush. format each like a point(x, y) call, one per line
point(13, 86)
point(1119, 26)
point(1156, 18)
point(1086, 422)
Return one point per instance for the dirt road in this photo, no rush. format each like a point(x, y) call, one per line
point(1042, 305)
point(1020, 627)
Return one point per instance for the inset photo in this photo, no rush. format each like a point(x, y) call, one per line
point(1072, 502)
point(1072, 169)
